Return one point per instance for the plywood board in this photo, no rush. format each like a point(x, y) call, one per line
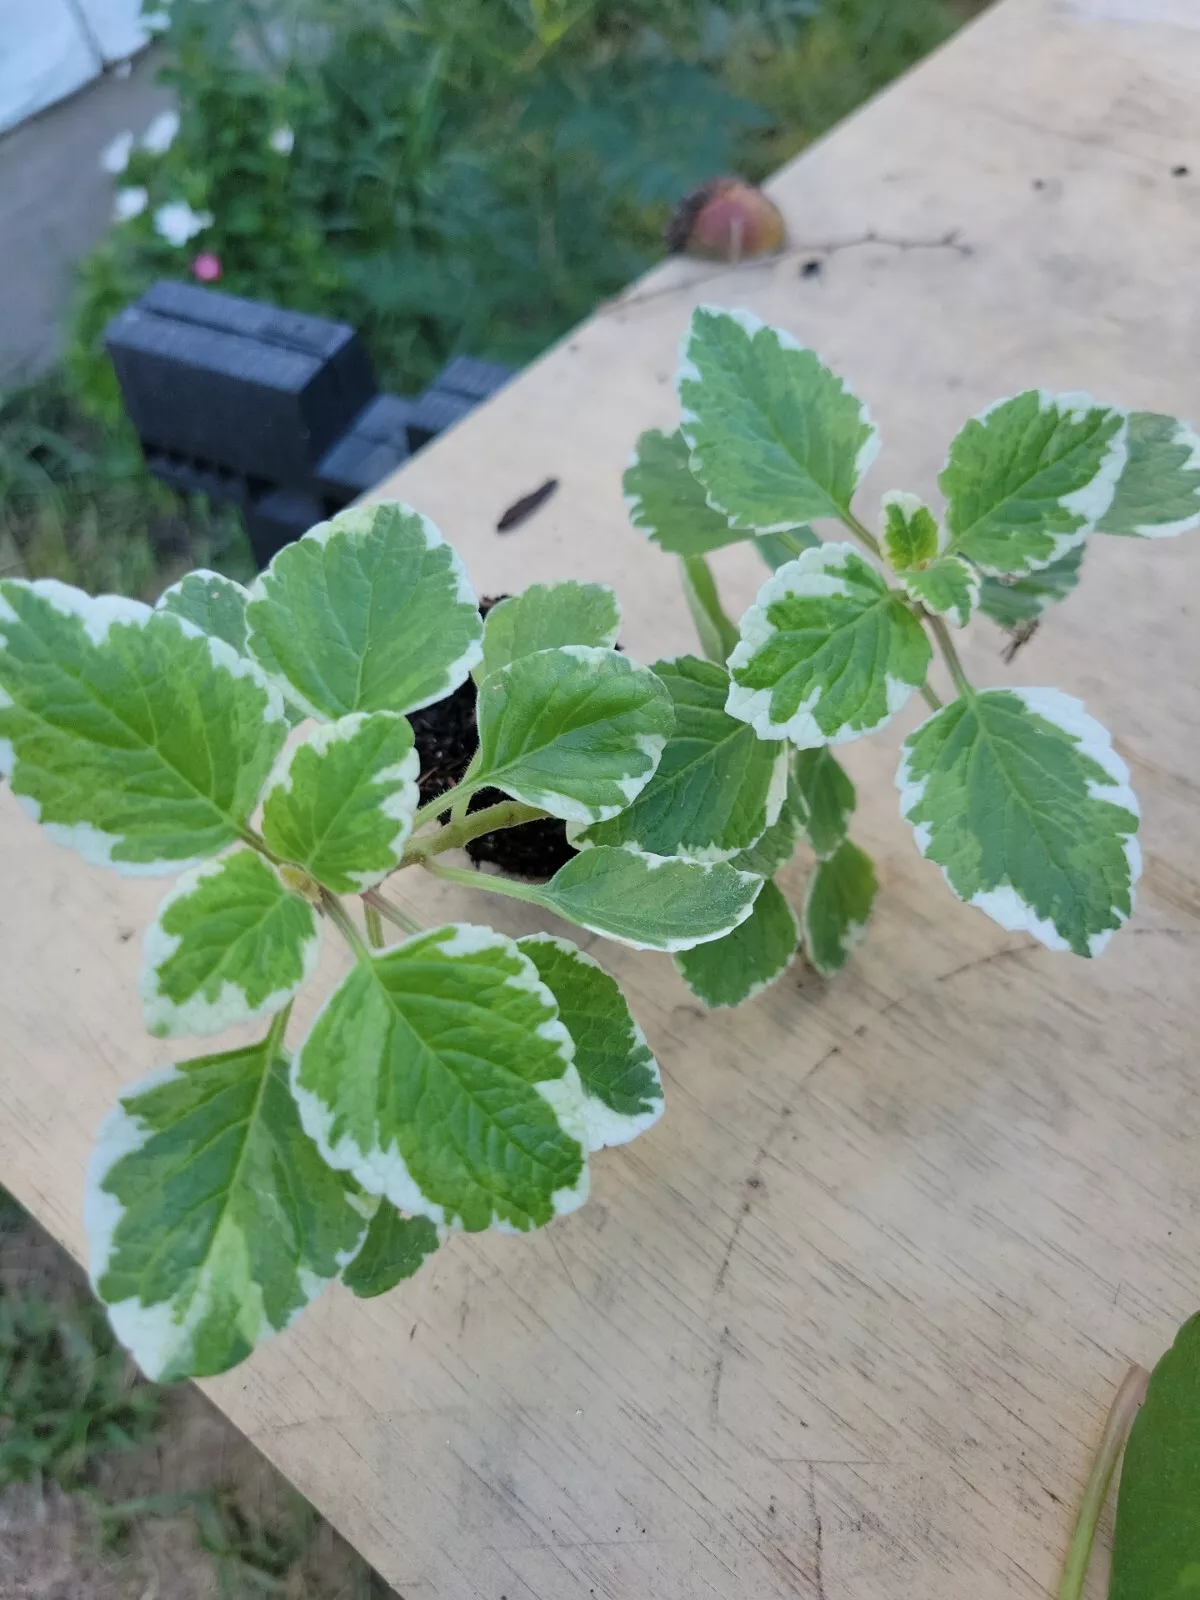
point(846, 1323)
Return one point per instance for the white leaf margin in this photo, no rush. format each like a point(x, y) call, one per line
point(1184, 434)
point(852, 934)
point(911, 583)
point(1003, 904)
point(385, 1172)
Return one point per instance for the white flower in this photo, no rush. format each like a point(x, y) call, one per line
point(155, 21)
point(159, 136)
point(282, 140)
point(129, 203)
point(176, 222)
point(115, 156)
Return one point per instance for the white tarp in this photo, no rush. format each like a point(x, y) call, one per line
point(50, 48)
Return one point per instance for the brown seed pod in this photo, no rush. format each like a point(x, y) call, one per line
point(726, 219)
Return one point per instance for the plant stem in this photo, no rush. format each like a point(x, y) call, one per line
point(374, 924)
point(946, 645)
point(277, 1029)
point(1116, 1430)
point(434, 808)
point(716, 632)
point(374, 901)
point(485, 880)
point(462, 795)
point(931, 697)
point(340, 917)
point(506, 814)
point(861, 533)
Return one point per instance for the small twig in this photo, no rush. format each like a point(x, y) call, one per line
point(374, 902)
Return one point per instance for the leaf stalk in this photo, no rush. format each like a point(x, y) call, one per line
point(1112, 1441)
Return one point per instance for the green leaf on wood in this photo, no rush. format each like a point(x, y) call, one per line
point(649, 902)
point(718, 786)
point(578, 731)
point(341, 804)
point(211, 1218)
point(668, 504)
point(1158, 493)
point(369, 612)
point(824, 799)
point(911, 537)
point(229, 943)
point(546, 615)
point(948, 588)
point(1029, 478)
point(1023, 600)
point(130, 736)
point(841, 893)
point(1156, 1539)
point(621, 1084)
point(439, 1075)
point(1019, 797)
point(394, 1249)
point(743, 963)
point(776, 439)
point(827, 652)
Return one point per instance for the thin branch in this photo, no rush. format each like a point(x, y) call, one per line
point(505, 814)
point(1116, 1430)
point(373, 901)
point(931, 697)
point(340, 917)
point(946, 645)
point(374, 924)
point(485, 880)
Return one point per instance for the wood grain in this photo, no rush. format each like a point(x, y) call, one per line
point(846, 1323)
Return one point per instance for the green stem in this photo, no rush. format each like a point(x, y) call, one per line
point(462, 795)
point(340, 917)
point(277, 1030)
point(506, 814)
point(374, 902)
point(716, 632)
point(1116, 1430)
point(434, 808)
point(931, 697)
point(946, 645)
point(374, 924)
point(862, 533)
point(485, 880)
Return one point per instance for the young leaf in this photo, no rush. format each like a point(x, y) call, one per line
point(394, 1248)
point(777, 548)
point(1156, 1539)
point(776, 439)
point(212, 1220)
point(577, 731)
point(1029, 478)
point(213, 603)
point(716, 633)
point(778, 844)
point(545, 615)
point(369, 612)
point(742, 964)
point(1023, 600)
point(718, 786)
point(824, 800)
point(128, 735)
point(649, 902)
point(949, 587)
point(1019, 797)
point(621, 1084)
point(439, 1075)
point(837, 905)
point(229, 944)
point(668, 504)
point(911, 537)
point(1158, 494)
point(827, 652)
point(341, 804)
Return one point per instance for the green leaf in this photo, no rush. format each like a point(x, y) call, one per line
point(212, 1220)
point(776, 439)
point(776, 548)
point(668, 504)
point(1019, 797)
point(127, 734)
point(546, 615)
point(213, 603)
point(229, 944)
point(827, 652)
point(718, 786)
point(621, 1084)
point(837, 905)
point(369, 612)
point(1156, 1539)
point(649, 902)
point(1023, 600)
point(1029, 478)
point(716, 633)
point(824, 800)
point(578, 731)
point(1158, 494)
point(778, 844)
point(949, 587)
point(439, 1075)
point(736, 968)
point(911, 537)
point(341, 804)
point(395, 1247)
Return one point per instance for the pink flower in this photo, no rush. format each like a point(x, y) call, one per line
point(206, 267)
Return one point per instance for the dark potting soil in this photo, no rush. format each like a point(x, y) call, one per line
point(446, 737)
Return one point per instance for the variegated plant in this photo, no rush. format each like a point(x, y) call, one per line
point(257, 744)
point(1017, 794)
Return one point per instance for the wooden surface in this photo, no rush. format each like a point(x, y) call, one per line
point(846, 1323)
